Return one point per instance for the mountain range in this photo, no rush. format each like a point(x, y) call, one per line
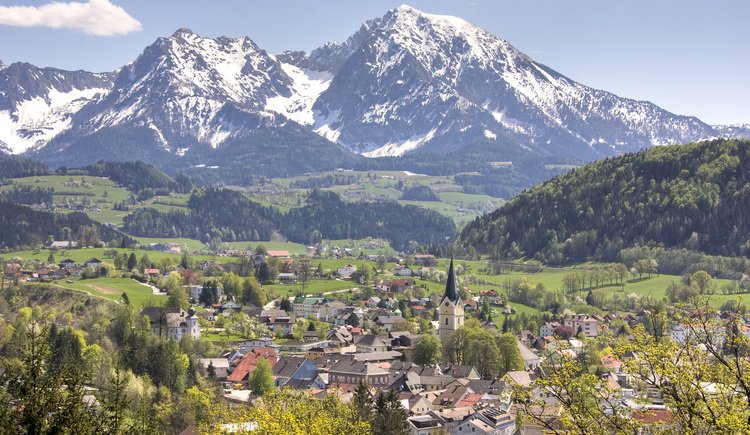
point(405, 84)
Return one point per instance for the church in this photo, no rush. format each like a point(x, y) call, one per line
point(451, 311)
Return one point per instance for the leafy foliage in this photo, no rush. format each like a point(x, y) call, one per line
point(326, 216)
point(289, 412)
point(261, 380)
point(704, 378)
point(491, 353)
point(389, 417)
point(427, 350)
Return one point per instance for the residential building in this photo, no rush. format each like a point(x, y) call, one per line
point(347, 271)
point(220, 365)
point(403, 271)
point(289, 368)
point(588, 324)
point(61, 244)
point(427, 424)
point(287, 278)
point(530, 359)
point(425, 260)
point(372, 343)
point(173, 323)
point(351, 371)
point(247, 346)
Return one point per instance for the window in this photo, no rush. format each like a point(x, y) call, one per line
point(446, 320)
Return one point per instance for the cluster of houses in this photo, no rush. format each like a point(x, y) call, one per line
point(442, 398)
point(15, 272)
point(366, 342)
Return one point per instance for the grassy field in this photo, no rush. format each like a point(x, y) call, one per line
point(80, 255)
point(113, 288)
point(313, 287)
point(99, 192)
point(498, 317)
point(293, 248)
point(94, 191)
point(381, 185)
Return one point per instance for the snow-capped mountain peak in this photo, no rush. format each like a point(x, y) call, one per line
point(440, 83)
point(405, 82)
point(36, 104)
point(182, 86)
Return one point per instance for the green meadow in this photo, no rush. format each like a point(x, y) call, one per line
point(113, 288)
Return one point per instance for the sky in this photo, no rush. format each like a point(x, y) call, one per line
point(690, 57)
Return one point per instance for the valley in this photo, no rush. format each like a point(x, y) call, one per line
point(416, 228)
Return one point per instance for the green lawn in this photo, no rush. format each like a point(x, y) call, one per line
point(655, 288)
point(313, 287)
point(498, 317)
point(113, 288)
point(220, 337)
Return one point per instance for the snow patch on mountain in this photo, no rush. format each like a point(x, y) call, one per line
point(307, 85)
point(402, 147)
point(328, 125)
point(36, 121)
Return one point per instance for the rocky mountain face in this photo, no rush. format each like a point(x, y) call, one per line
point(407, 83)
point(36, 104)
point(184, 98)
point(436, 83)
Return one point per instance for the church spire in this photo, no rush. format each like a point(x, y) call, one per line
point(451, 289)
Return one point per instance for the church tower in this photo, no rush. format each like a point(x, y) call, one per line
point(451, 311)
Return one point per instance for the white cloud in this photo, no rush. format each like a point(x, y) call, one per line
point(95, 17)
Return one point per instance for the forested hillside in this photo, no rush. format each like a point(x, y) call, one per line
point(15, 166)
point(693, 196)
point(140, 178)
point(23, 226)
point(326, 216)
point(230, 216)
point(221, 213)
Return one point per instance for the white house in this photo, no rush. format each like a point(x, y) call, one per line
point(247, 346)
point(403, 271)
point(548, 329)
point(590, 325)
point(172, 323)
point(347, 271)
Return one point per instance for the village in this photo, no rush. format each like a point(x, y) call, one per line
point(324, 344)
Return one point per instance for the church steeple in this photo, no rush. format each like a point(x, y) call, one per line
point(451, 291)
point(451, 310)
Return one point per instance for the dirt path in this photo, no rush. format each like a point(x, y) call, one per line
point(155, 290)
point(104, 289)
